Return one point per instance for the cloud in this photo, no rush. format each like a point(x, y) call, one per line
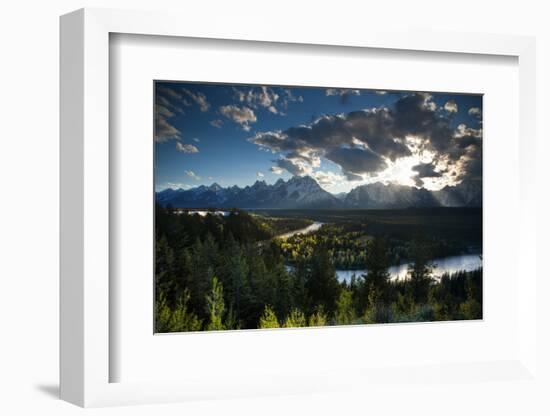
point(258, 97)
point(358, 142)
point(451, 106)
point(364, 143)
point(295, 167)
point(196, 139)
point(165, 131)
point(380, 92)
point(474, 111)
point(468, 156)
point(170, 94)
point(168, 104)
point(259, 175)
point(344, 93)
point(462, 131)
point(217, 123)
point(276, 170)
point(240, 115)
point(355, 162)
point(341, 91)
point(425, 170)
point(186, 148)
point(274, 100)
point(327, 179)
point(192, 175)
point(267, 97)
point(290, 97)
point(199, 98)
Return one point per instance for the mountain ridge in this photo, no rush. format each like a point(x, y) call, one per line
point(304, 192)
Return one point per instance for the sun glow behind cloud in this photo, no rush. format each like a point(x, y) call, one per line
point(399, 172)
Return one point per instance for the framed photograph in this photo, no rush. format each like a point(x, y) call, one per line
point(231, 228)
point(286, 206)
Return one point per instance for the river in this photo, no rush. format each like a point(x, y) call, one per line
point(307, 230)
point(451, 264)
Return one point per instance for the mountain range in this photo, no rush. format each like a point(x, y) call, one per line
point(304, 192)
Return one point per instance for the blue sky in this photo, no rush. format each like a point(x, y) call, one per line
point(237, 134)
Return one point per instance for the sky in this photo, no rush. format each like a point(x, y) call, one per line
point(238, 134)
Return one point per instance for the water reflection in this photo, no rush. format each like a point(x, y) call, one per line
point(452, 264)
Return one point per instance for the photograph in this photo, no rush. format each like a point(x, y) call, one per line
point(283, 206)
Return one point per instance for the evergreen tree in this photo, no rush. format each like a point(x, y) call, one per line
point(377, 311)
point(345, 312)
point(322, 285)
point(268, 319)
point(201, 275)
point(319, 318)
point(300, 276)
point(283, 291)
point(216, 306)
point(164, 269)
point(420, 271)
point(377, 264)
point(261, 286)
point(295, 319)
point(178, 319)
point(472, 308)
point(235, 279)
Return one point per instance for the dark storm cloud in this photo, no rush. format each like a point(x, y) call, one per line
point(374, 128)
point(355, 161)
point(291, 166)
point(361, 142)
point(425, 170)
point(369, 128)
point(416, 115)
point(467, 153)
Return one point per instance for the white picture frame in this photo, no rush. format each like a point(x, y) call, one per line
point(85, 213)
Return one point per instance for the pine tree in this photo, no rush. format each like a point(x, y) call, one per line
point(234, 275)
point(201, 276)
point(420, 271)
point(377, 311)
point(179, 319)
point(295, 319)
point(164, 269)
point(319, 318)
point(216, 306)
point(299, 281)
point(283, 291)
point(345, 313)
point(268, 319)
point(377, 277)
point(322, 285)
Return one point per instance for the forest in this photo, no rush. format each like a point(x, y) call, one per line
point(217, 272)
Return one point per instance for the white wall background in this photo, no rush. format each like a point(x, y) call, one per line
point(29, 210)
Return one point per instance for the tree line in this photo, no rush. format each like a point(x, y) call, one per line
point(216, 273)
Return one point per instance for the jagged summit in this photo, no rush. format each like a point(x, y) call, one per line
point(297, 192)
point(305, 192)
